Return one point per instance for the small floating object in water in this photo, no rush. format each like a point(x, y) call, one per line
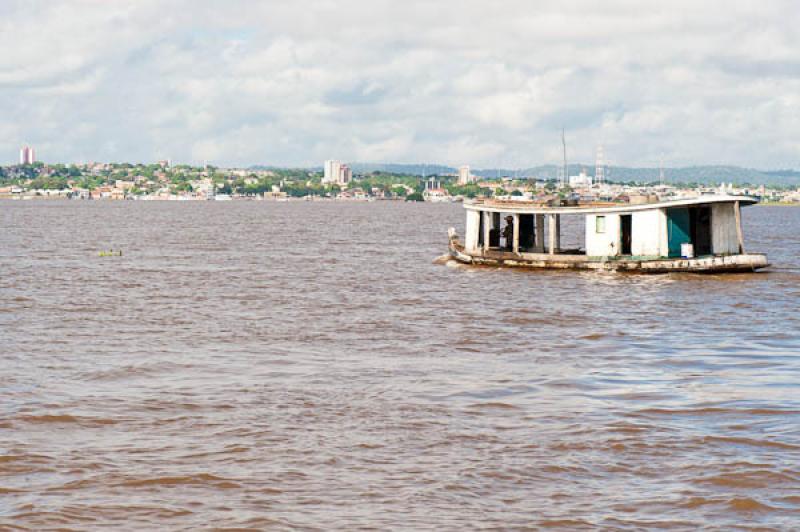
point(111, 253)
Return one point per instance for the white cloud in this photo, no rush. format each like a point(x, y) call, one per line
point(294, 83)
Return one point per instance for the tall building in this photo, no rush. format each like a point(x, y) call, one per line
point(336, 173)
point(332, 169)
point(27, 155)
point(345, 174)
point(464, 176)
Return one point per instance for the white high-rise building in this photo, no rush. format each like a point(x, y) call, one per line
point(465, 177)
point(336, 173)
point(332, 169)
point(27, 155)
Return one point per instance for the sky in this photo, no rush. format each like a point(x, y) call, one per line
point(489, 84)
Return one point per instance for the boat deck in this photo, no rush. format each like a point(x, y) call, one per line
point(749, 262)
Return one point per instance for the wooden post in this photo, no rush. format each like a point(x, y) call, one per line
point(558, 232)
point(551, 238)
point(737, 211)
point(539, 244)
point(486, 229)
point(515, 246)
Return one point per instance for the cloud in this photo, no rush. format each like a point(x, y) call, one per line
point(294, 83)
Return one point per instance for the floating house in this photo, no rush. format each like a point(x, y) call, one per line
point(702, 234)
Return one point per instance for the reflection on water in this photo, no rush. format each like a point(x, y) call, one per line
point(266, 365)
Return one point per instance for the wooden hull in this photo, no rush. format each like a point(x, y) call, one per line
point(749, 262)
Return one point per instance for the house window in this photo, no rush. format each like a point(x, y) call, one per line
point(600, 224)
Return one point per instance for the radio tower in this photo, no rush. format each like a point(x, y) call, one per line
point(600, 167)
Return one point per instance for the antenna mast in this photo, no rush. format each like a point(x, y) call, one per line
point(600, 167)
point(564, 176)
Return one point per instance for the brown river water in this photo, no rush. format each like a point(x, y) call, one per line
point(263, 365)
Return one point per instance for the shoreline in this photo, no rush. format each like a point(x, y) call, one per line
point(273, 200)
point(204, 200)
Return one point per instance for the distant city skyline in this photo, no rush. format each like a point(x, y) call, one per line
point(336, 173)
point(447, 82)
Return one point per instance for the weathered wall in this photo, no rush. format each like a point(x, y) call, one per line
point(472, 228)
point(723, 229)
point(649, 233)
point(602, 244)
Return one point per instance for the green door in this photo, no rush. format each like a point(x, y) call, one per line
point(677, 230)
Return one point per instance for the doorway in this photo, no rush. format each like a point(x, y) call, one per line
point(701, 229)
point(527, 234)
point(625, 228)
point(689, 225)
point(678, 229)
